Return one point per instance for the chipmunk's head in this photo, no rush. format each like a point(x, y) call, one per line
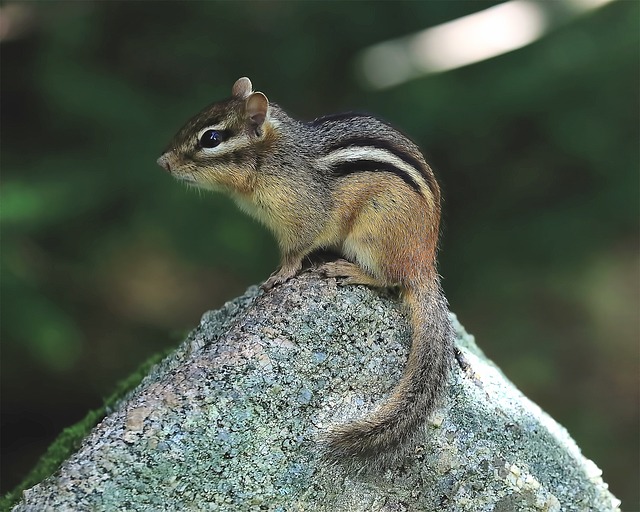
point(219, 147)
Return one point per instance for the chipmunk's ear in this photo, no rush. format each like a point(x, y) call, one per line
point(242, 88)
point(256, 107)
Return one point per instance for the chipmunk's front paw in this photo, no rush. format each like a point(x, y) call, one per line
point(280, 277)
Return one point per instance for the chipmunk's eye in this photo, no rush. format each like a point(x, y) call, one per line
point(211, 138)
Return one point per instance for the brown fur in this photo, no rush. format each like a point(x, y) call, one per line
point(354, 185)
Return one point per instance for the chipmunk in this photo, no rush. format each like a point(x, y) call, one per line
point(348, 183)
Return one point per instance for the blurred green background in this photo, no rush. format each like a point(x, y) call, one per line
point(106, 260)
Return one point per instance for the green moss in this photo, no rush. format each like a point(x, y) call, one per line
point(71, 438)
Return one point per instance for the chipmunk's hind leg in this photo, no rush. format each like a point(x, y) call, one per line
point(350, 273)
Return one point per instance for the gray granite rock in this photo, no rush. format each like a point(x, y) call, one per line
point(230, 422)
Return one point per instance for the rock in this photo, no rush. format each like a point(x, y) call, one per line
point(230, 422)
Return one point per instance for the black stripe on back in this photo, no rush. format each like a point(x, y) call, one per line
point(353, 166)
point(389, 146)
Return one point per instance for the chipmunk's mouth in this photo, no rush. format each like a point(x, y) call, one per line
point(170, 163)
point(191, 181)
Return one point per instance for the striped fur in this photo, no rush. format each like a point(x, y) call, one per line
point(369, 152)
point(344, 167)
point(417, 164)
point(352, 184)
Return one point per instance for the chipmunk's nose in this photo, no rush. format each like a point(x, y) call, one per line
point(163, 162)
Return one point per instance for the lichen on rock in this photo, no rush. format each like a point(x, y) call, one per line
point(230, 421)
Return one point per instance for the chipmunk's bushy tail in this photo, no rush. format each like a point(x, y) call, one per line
point(380, 436)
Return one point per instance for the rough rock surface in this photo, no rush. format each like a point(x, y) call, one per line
point(230, 422)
